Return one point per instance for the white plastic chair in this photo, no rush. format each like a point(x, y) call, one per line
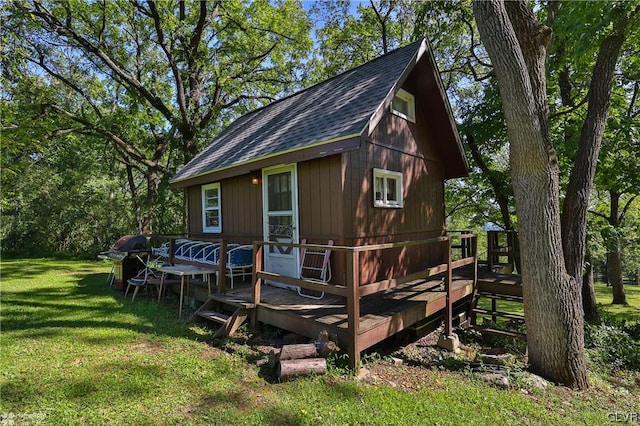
point(315, 266)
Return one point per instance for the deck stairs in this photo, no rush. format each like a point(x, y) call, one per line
point(495, 290)
point(227, 311)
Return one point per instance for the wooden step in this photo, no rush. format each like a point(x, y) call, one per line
point(500, 332)
point(505, 297)
point(214, 316)
point(498, 314)
point(500, 288)
point(232, 323)
point(232, 301)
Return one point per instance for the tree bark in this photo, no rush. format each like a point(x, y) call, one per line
point(614, 269)
point(289, 368)
point(589, 293)
point(552, 298)
point(574, 214)
point(614, 254)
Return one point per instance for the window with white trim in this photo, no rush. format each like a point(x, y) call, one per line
point(211, 208)
point(387, 188)
point(404, 105)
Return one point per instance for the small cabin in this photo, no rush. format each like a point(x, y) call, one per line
point(358, 160)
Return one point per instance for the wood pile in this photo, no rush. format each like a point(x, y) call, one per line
point(302, 359)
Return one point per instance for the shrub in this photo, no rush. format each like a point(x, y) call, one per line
point(613, 345)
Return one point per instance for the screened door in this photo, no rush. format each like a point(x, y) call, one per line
point(280, 198)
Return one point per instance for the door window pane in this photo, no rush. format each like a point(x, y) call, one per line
point(280, 196)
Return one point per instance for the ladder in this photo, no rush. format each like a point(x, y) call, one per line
point(496, 291)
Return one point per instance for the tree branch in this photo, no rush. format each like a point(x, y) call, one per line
point(119, 73)
point(181, 97)
point(129, 149)
point(626, 207)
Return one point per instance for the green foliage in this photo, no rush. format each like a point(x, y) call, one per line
point(133, 90)
point(613, 346)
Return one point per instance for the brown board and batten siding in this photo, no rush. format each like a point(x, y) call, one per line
point(395, 145)
point(241, 210)
point(320, 202)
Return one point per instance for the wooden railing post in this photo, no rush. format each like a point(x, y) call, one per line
point(474, 253)
point(448, 314)
point(353, 307)
point(222, 268)
point(257, 283)
point(172, 250)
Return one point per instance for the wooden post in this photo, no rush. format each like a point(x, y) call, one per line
point(448, 314)
point(172, 250)
point(222, 268)
point(257, 283)
point(353, 307)
point(474, 253)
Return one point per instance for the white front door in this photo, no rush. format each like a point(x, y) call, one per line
point(280, 199)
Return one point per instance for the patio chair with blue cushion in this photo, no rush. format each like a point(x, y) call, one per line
point(239, 261)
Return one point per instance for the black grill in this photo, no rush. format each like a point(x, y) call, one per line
point(125, 255)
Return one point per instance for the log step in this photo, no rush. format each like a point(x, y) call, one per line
point(498, 314)
point(214, 316)
point(500, 332)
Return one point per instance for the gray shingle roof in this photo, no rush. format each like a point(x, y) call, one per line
point(336, 108)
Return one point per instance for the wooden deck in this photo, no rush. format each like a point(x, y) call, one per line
point(381, 314)
point(358, 314)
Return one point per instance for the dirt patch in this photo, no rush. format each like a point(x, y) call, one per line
point(211, 352)
point(146, 348)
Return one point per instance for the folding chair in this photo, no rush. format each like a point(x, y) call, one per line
point(315, 266)
point(145, 278)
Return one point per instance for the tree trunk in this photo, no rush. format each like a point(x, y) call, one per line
point(552, 298)
point(614, 269)
point(614, 255)
point(574, 213)
point(589, 303)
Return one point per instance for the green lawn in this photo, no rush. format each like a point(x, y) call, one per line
point(604, 295)
point(74, 351)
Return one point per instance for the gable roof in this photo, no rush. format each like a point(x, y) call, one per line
point(338, 109)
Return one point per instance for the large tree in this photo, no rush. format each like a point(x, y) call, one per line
point(615, 19)
point(155, 80)
point(517, 44)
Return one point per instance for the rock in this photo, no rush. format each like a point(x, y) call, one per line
point(495, 356)
point(396, 361)
point(535, 381)
point(496, 379)
point(450, 343)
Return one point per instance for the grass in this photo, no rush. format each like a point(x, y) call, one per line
point(74, 351)
point(629, 313)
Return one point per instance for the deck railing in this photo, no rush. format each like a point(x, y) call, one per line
point(171, 254)
point(353, 289)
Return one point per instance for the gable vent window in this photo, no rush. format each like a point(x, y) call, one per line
point(404, 105)
point(387, 188)
point(211, 208)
